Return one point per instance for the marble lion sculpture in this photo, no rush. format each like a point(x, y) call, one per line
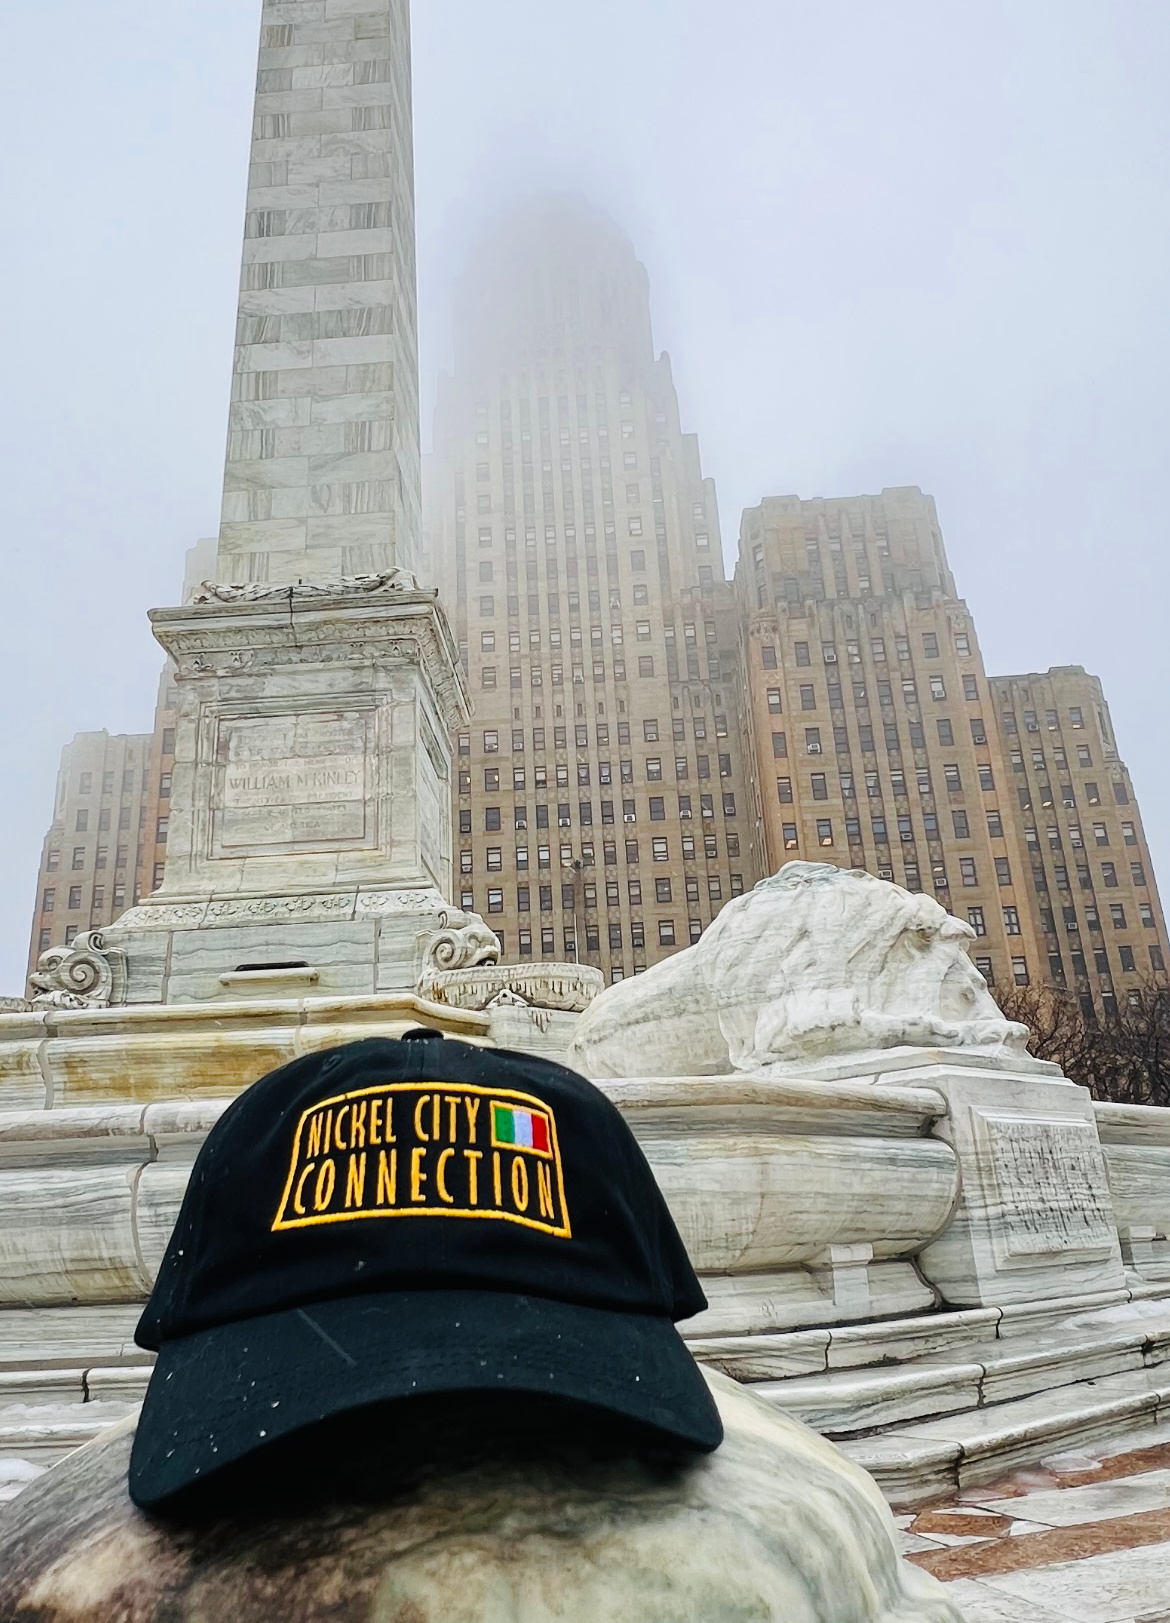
point(496, 1526)
point(816, 961)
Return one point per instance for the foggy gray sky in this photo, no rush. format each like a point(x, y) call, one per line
point(889, 242)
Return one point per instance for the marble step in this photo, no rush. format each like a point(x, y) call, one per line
point(40, 1433)
point(960, 1336)
point(846, 1401)
point(917, 1462)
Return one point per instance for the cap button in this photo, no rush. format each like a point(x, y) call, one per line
point(421, 1034)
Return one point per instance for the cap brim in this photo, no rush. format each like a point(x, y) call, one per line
point(221, 1395)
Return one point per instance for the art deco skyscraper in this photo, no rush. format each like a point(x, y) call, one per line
point(600, 799)
point(1079, 836)
point(873, 723)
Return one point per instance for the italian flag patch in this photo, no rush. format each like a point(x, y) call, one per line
point(520, 1129)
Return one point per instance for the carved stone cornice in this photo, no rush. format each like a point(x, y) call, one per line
point(330, 625)
point(569, 988)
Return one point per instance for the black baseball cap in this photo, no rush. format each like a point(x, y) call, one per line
point(397, 1219)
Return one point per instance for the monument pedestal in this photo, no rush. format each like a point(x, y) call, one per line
point(311, 809)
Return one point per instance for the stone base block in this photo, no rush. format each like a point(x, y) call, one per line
point(1035, 1218)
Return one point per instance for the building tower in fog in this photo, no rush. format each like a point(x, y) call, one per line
point(600, 803)
point(873, 725)
point(1081, 846)
point(878, 741)
point(93, 852)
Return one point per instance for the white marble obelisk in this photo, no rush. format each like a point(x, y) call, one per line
point(322, 472)
point(318, 684)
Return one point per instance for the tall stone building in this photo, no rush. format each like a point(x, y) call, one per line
point(601, 803)
point(1079, 837)
point(871, 718)
point(91, 860)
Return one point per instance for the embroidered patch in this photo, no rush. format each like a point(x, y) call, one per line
point(402, 1149)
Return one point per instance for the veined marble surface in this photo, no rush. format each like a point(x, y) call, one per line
point(775, 1526)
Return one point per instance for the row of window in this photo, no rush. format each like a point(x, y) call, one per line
point(104, 822)
point(1117, 917)
point(610, 894)
point(101, 860)
point(1068, 795)
point(1022, 977)
point(652, 768)
point(692, 848)
point(651, 734)
point(552, 602)
point(809, 701)
point(483, 473)
point(493, 815)
point(1076, 719)
point(130, 778)
point(814, 741)
point(617, 636)
point(952, 779)
point(1076, 837)
point(97, 903)
point(1126, 958)
point(489, 674)
point(668, 935)
point(802, 654)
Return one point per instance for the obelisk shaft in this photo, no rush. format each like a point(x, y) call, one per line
point(322, 472)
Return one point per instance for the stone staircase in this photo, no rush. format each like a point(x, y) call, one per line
point(927, 1404)
point(65, 1375)
point(937, 1403)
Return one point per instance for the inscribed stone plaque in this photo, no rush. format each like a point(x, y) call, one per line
point(291, 782)
point(1052, 1186)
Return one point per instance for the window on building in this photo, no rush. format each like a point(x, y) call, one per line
point(1003, 871)
point(824, 831)
point(976, 919)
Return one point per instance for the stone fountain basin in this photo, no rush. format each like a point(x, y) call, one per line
point(765, 1178)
